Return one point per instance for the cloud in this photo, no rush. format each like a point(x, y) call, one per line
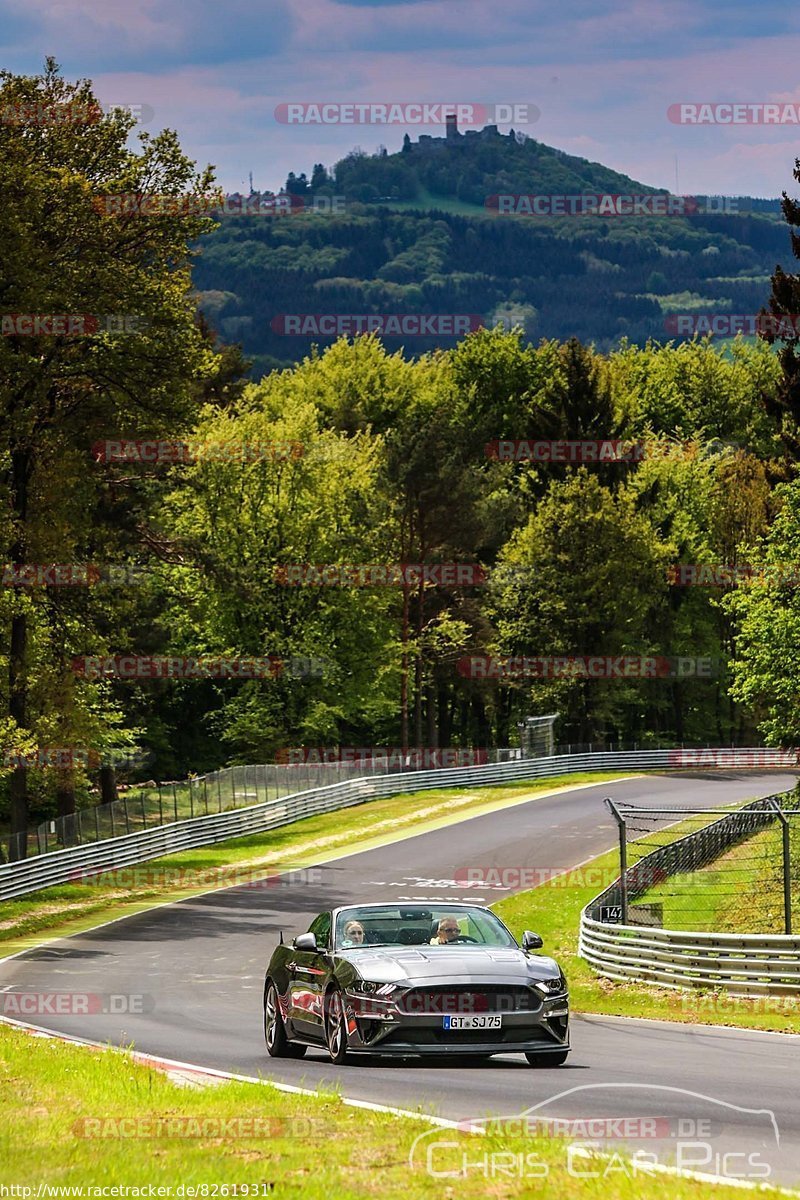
point(105, 37)
point(602, 72)
point(385, 3)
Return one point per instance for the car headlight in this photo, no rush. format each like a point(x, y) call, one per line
point(366, 987)
point(551, 987)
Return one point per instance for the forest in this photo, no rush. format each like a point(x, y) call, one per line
point(421, 231)
point(201, 568)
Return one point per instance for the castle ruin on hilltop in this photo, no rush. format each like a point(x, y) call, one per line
point(428, 144)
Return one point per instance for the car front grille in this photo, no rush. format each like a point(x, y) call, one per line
point(472, 998)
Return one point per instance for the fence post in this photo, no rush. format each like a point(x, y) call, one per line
point(125, 810)
point(205, 791)
point(97, 822)
point(623, 857)
point(787, 867)
point(175, 800)
point(144, 816)
point(160, 808)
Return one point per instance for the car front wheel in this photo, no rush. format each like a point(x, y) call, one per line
point(335, 1028)
point(547, 1060)
point(278, 1044)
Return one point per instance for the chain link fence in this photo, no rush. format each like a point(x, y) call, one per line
point(151, 804)
point(723, 871)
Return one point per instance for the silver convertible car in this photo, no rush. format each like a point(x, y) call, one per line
point(415, 979)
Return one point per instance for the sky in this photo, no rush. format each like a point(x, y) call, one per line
point(600, 77)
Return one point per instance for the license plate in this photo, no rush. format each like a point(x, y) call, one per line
point(472, 1021)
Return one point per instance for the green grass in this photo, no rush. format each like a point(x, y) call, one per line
point(741, 891)
point(71, 1116)
point(553, 911)
point(72, 908)
point(426, 200)
point(146, 807)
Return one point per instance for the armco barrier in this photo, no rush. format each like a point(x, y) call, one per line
point(747, 964)
point(64, 866)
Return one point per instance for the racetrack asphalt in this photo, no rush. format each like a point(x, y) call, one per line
point(727, 1101)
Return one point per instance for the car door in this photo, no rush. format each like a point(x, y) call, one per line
point(308, 971)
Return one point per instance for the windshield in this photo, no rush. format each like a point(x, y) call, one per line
point(419, 925)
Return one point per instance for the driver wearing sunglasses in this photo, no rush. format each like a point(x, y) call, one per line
point(447, 931)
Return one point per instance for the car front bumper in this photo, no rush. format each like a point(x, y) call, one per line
point(371, 1031)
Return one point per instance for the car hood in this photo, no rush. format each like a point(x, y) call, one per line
point(449, 963)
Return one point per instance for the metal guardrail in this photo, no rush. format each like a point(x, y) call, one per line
point(65, 866)
point(747, 964)
point(153, 804)
point(145, 805)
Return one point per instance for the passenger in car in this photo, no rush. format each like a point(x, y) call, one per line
point(353, 934)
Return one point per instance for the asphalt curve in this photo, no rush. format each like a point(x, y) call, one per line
point(722, 1101)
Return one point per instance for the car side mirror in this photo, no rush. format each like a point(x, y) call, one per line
point(531, 941)
point(305, 941)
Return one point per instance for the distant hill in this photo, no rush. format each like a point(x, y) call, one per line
point(472, 166)
point(411, 233)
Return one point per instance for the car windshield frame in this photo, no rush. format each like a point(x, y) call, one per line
point(413, 918)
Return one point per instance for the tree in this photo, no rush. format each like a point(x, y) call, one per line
point(784, 305)
point(297, 185)
point(766, 610)
point(581, 579)
point(242, 527)
point(66, 251)
point(320, 178)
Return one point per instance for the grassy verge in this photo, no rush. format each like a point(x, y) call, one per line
point(553, 911)
point(740, 892)
point(80, 1118)
point(74, 907)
